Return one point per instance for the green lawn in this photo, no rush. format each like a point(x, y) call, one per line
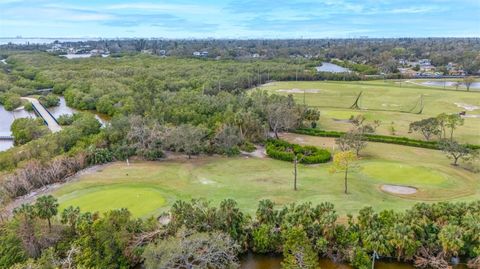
point(383, 101)
point(147, 188)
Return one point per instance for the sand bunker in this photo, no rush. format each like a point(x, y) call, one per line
point(397, 189)
point(299, 90)
point(467, 106)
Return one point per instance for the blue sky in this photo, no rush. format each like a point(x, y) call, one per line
point(240, 19)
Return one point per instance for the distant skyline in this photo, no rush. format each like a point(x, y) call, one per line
point(240, 19)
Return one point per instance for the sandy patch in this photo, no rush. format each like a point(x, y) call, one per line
point(258, 153)
point(467, 106)
point(299, 140)
point(471, 116)
point(299, 90)
point(397, 189)
point(206, 181)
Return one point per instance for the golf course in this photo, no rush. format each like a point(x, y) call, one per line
point(395, 103)
point(385, 176)
point(148, 188)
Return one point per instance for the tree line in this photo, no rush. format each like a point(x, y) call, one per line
point(376, 52)
point(196, 234)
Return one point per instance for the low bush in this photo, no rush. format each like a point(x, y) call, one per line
point(380, 138)
point(282, 150)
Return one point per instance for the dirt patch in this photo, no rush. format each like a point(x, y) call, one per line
point(299, 140)
point(471, 116)
point(467, 107)
point(342, 120)
point(207, 181)
point(258, 153)
point(398, 189)
point(299, 90)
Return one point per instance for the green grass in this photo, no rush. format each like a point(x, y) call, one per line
point(384, 100)
point(148, 188)
point(141, 199)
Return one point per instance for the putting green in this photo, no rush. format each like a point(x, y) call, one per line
point(404, 174)
point(140, 200)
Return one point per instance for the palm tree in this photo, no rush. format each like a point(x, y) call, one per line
point(70, 216)
point(25, 210)
point(46, 208)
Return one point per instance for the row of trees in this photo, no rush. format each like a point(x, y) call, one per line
point(443, 127)
point(382, 53)
point(197, 234)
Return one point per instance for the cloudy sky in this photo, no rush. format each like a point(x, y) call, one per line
point(240, 19)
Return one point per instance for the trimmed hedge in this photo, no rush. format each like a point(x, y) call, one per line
point(380, 138)
point(282, 150)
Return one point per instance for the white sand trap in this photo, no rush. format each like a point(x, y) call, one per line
point(397, 189)
point(299, 90)
point(467, 106)
point(206, 181)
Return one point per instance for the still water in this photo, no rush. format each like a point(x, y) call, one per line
point(253, 261)
point(331, 68)
point(62, 109)
point(6, 119)
point(440, 83)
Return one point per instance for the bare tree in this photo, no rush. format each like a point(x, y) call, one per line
point(193, 250)
point(187, 138)
point(352, 140)
point(456, 151)
point(468, 81)
point(281, 117)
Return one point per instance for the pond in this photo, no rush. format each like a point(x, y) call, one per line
point(63, 108)
point(331, 68)
point(440, 83)
point(6, 119)
point(254, 261)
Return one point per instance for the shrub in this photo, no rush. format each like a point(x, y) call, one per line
point(379, 138)
point(49, 100)
point(282, 150)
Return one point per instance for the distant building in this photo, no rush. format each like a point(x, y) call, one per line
point(200, 53)
point(427, 68)
point(424, 62)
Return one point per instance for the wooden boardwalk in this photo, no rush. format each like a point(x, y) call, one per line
point(41, 111)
